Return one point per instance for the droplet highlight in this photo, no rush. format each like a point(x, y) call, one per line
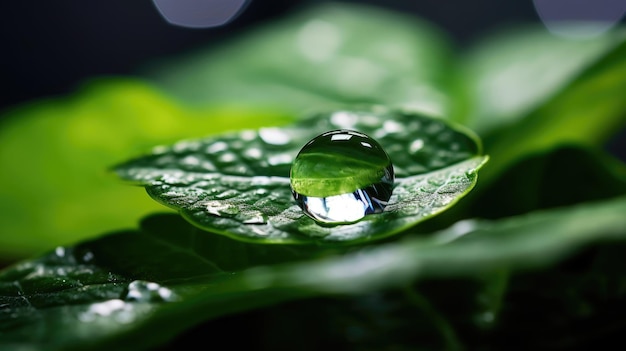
point(341, 176)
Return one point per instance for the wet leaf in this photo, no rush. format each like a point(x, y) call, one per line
point(54, 155)
point(137, 289)
point(469, 248)
point(147, 284)
point(238, 184)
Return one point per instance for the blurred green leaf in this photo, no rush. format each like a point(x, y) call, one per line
point(238, 184)
point(513, 71)
point(152, 284)
point(55, 188)
point(327, 56)
point(589, 111)
point(563, 176)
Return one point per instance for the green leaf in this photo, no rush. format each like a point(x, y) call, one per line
point(512, 72)
point(562, 176)
point(238, 184)
point(54, 155)
point(470, 248)
point(147, 285)
point(589, 111)
point(324, 57)
point(138, 289)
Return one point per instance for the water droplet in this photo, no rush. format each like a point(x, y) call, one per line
point(145, 291)
point(341, 176)
point(60, 251)
point(274, 136)
point(416, 146)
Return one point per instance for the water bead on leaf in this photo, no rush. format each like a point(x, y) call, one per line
point(341, 176)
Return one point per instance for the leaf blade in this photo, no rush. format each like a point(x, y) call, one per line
point(250, 198)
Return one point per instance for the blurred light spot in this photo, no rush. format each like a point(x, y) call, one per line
point(580, 18)
point(200, 13)
point(319, 40)
point(343, 119)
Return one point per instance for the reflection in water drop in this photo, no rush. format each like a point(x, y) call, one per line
point(340, 176)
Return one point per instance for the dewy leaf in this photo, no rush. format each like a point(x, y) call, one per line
point(130, 290)
point(238, 184)
point(54, 152)
point(325, 56)
point(470, 248)
point(134, 290)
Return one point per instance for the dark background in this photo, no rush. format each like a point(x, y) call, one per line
point(48, 47)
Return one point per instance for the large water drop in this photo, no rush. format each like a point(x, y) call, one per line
point(341, 176)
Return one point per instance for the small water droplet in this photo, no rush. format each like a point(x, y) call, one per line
point(145, 291)
point(279, 159)
point(116, 308)
point(217, 208)
point(341, 176)
point(60, 251)
point(218, 146)
point(274, 136)
point(254, 218)
point(416, 146)
point(253, 153)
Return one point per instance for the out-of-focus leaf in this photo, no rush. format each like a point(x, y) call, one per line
point(467, 249)
point(326, 56)
point(237, 184)
point(589, 111)
point(130, 290)
point(136, 289)
point(54, 155)
point(563, 176)
point(514, 71)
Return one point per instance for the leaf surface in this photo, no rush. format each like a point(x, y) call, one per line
point(238, 184)
point(55, 154)
point(139, 288)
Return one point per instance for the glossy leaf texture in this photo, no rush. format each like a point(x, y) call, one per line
point(237, 184)
point(55, 153)
point(135, 289)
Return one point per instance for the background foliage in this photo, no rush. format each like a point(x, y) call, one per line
point(530, 258)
